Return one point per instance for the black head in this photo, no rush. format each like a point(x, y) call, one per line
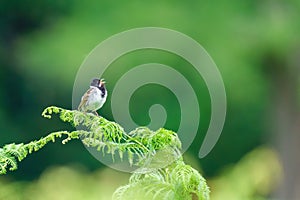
point(96, 82)
point(99, 83)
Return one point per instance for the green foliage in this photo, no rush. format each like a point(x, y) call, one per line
point(176, 181)
point(10, 153)
point(110, 137)
point(161, 172)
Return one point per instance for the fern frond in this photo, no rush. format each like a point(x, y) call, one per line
point(188, 181)
point(146, 186)
point(176, 181)
point(8, 161)
point(161, 173)
point(109, 137)
point(16, 150)
point(10, 153)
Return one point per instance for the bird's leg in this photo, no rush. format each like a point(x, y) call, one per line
point(95, 112)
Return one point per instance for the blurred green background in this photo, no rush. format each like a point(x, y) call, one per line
point(255, 44)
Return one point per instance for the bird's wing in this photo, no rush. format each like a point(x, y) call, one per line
point(85, 98)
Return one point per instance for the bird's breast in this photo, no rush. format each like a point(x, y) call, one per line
point(96, 100)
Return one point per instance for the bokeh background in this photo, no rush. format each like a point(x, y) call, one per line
point(255, 44)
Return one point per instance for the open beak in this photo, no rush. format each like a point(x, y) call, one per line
point(102, 82)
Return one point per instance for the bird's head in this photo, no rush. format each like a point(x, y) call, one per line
point(99, 83)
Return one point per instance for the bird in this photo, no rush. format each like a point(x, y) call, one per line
point(94, 98)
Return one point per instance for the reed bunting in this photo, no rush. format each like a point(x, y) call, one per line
point(94, 98)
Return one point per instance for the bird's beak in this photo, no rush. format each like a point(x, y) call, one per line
point(102, 82)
